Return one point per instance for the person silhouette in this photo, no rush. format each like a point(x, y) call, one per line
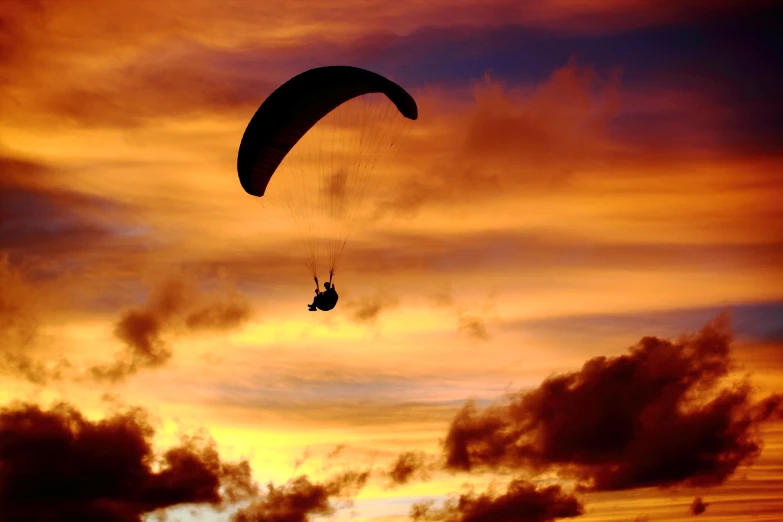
point(325, 300)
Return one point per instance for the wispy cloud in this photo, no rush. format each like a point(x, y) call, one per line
point(300, 499)
point(176, 305)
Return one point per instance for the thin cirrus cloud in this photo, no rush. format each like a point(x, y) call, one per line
point(533, 252)
point(261, 22)
point(42, 219)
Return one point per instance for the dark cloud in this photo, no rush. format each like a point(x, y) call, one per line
point(658, 416)
point(698, 506)
point(57, 465)
point(176, 305)
point(299, 500)
point(521, 501)
point(411, 465)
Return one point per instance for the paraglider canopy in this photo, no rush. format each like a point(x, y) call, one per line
point(322, 134)
point(291, 110)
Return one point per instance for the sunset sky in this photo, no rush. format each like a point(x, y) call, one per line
point(568, 303)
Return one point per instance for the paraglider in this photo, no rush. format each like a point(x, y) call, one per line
point(325, 300)
point(322, 134)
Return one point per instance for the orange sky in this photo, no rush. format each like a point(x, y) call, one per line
point(552, 204)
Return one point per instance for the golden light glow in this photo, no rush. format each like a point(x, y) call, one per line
point(504, 220)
